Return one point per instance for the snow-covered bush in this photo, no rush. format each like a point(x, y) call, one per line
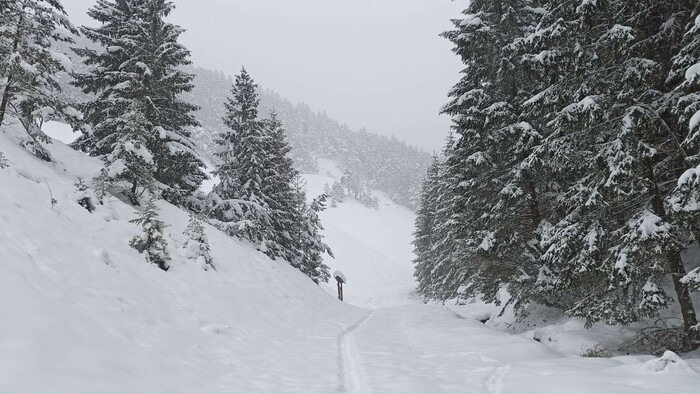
point(151, 239)
point(197, 244)
point(368, 199)
point(85, 196)
point(3, 161)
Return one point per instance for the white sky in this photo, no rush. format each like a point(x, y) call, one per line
point(377, 64)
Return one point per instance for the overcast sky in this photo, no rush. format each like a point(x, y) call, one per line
point(373, 63)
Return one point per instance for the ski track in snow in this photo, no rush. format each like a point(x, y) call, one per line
point(348, 362)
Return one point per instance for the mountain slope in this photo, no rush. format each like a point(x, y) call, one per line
point(372, 246)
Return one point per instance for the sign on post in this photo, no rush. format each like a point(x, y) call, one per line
point(341, 279)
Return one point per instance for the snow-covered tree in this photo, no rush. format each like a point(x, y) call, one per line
point(3, 161)
point(425, 224)
point(278, 190)
point(308, 237)
point(84, 196)
point(197, 244)
point(29, 64)
point(573, 178)
point(151, 240)
point(129, 163)
point(140, 59)
point(237, 201)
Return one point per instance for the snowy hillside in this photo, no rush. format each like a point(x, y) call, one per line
point(84, 313)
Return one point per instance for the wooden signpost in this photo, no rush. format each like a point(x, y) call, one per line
point(341, 279)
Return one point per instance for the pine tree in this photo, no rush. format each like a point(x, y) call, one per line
point(141, 60)
point(84, 196)
point(617, 240)
point(491, 215)
point(238, 202)
point(307, 235)
point(278, 190)
point(197, 244)
point(178, 165)
point(425, 224)
point(151, 240)
point(29, 66)
point(129, 165)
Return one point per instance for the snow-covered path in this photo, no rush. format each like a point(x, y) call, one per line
point(402, 346)
point(431, 349)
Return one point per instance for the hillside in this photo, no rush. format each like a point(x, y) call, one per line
point(89, 315)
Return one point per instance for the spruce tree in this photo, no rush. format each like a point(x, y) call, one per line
point(492, 214)
point(29, 66)
point(140, 59)
point(307, 235)
point(238, 201)
point(278, 190)
point(616, 240)
point(425, 225)
point(197, 244)
point(151, 240)
point(129, 163)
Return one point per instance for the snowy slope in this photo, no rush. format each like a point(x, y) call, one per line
point(82, 312)
point(372, 246)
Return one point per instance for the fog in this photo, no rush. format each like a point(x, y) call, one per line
point(378, 64)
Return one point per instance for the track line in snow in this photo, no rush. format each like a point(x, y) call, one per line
point(494, 383)
point(348, 362)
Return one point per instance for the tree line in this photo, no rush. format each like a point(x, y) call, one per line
point(571, 178)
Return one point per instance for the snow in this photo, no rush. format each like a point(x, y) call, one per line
point(695, 121)
point(61, 132)
point(340, 275)
point(692, 73)
point(83, 313)
point(371, 246)
point(471, 20)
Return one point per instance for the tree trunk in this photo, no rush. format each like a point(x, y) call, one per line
point(690, 319)
point(133, 198)
point(3, 105)
point(677, 272)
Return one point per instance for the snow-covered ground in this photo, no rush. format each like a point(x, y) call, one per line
point(82, 312)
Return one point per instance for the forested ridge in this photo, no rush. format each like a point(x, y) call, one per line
point(385, 163)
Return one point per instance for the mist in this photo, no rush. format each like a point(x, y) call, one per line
point(374, 64)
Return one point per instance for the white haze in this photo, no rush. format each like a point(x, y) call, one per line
point(378, 64)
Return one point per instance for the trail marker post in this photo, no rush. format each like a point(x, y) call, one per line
point(341, 279)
